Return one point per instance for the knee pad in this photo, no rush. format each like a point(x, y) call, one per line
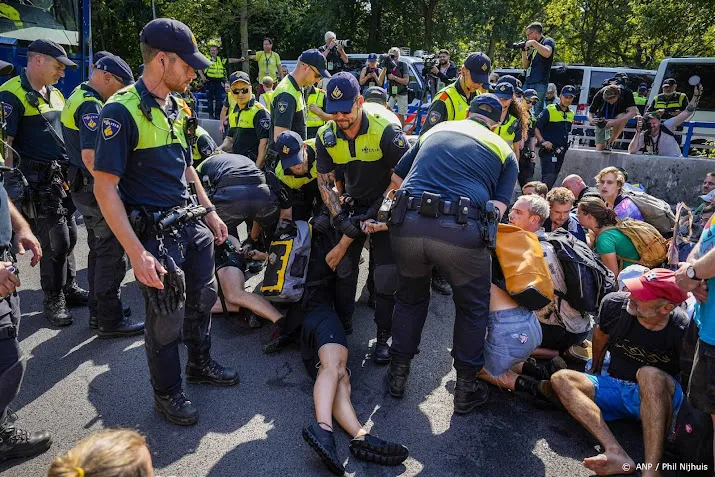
point(386, 279)
point(10, 381)
point(203, 299)
point(60, 241)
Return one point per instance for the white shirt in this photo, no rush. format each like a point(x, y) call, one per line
point(663, 144)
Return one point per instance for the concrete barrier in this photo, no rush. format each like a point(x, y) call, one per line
point(211, 126)
point(672, 179)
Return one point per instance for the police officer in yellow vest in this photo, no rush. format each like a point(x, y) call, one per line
point(107, 262)
point(313, 120)
point(32, 110)
point(553, 127)
point(297, 173)
point(670, 101)
point(248, 122)
point(366, 147)
point(510, 128)
point(204, 146)
point(215, 77)
point(142, 169)
point(452, 102)
point(641, 97)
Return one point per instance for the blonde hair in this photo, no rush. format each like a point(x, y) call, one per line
point(111, 453)
point(620, 178)
point(267, 81)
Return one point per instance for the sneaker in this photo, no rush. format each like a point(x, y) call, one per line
point(440, 285)
point(254, 321)
point(373, 449)
point(277, 343)
point(581, 353)
point(17, 443)
point(176, 408)
point(530, 368)
point(323, 443)
point(552, 366)
point(254, 266)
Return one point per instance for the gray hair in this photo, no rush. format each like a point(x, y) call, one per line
point(537, 206)
point(552, 88)
point(329, 35)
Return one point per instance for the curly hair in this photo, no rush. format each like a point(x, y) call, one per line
point(520, 111)
point(620, 177)
point(560, 195)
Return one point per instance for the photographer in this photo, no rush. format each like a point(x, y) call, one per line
point(453, 101)
point(370, 74)
point(537, 55)
point(446, 72)
point(334, 52)
point(398, 78)
point(611, 108)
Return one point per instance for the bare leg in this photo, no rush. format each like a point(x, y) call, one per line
point(343, 409)
point(656, 389)
point(577, 393)
point(544, 353)
point(232, 286)
point(508, 381)
point(333, 358)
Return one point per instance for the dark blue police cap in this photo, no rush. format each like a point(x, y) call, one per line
point(643, 87)
point(341, 91)
point(670, 82)
point(479, 66)
point(504, 90)
point(512, 81)
point(315, 59)
point(50, 48)
point(289, 146)
point(99, 55)
point(568, 90)
point(487, 105)
point(375, 94)
point(169, 35)
point(530, 94)
point(239, 76)
point(5, 68)
point(116, 66)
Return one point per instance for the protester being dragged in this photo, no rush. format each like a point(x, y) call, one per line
point(561, 202)
point(646, 322)
point(579, 189)
point(552, 133)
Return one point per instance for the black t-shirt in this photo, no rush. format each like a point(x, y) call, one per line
point(633, 346)
point(333, 61)
point(394, 88)
point(601, 108)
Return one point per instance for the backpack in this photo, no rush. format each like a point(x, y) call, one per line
point(588, 280)
point(692, 439)
point(287, 269)
point(652, 248)
point(524, 267)
point(655, 211)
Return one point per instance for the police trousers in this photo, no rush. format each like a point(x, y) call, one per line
point(214, 96)
point(420, 243)
point(12, 363)
point(551, 163)
point(57, 234)
point(192, 322)
point(107, 263)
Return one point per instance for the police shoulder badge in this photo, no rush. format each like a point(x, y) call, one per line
point(400, 141)
point(282, 106)
point(434, 117)
point(110, 128)
point(7, 107)
point(208, 149)
point(91, 121)
point(265, 123)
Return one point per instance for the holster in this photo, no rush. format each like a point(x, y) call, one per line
point(399, 207)
point(47, 189)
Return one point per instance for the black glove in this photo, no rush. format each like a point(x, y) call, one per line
point(347, 225)
point(371, 213)
point(173, 297)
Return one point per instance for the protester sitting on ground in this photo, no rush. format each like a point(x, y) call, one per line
point(646, 322)
point(535, 187)
point(611, 181)
point(578, 188)
point(561, 202)
point(109, 453)
point(324, 349)
point(613, 246)
point(707, 187)
point(612, 107)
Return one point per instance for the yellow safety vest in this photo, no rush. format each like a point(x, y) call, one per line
point(367, 146)
point(640, 100)
point(217, 68)
point(243, 118)
point(286, 86)
point(457, 105)
point(556, 114)
point(268, 99)
point(77, 98)
point(312, 120)
point(294, 182)
point(504, 129)
point(209, 148)
point(480, 133)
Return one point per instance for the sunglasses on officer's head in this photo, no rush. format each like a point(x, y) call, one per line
point(241, 91)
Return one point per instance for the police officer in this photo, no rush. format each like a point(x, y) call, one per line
point(32, 109)
point(315, 104)
point(248, 122)
point(14, 442)
point(297, 172)
point(366, 147)
point(106, 262)
point(510, 129)
point(641, 97)
point(204, 146)
point(670, 101)
point(452, 102)
point(376, 102)
point(143, 164)
point(553, 127)
point(527, 156)
point(454, 170)
point(215, 76)
point(288, 108)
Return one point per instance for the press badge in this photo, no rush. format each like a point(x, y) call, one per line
point(608, 134)
point(553, 158)
point(394, 90)
point(330, 65)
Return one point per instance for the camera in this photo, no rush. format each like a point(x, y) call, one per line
point(345, 43)
point(430, 61)
point(521, 45)
point(387, 61)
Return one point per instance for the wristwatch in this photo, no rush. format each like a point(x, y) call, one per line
point(690, 272)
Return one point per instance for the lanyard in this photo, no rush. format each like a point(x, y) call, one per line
point(268, 59)
point(606, 109)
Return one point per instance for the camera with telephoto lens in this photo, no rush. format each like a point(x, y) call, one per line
point(345, 43)
point(387, 61)
point(521, 45)
point(430, 61)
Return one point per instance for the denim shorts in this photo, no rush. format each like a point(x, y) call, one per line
point(512, 335)
point(620, 399)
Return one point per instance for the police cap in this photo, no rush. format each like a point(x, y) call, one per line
point(479, 66)
point(237, 76)
point(50, 48)
point(172, 36)
point(487, 105)
point(116, 66)
point(375, 94)
point(568, 90)
point(340, 93)
point(315, 58)
point(504, 91)
point(99, 55)
point(512, 81)
point(289, 146)
point(670, 82)
point(5, 68)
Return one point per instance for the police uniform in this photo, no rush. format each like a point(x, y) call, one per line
point(216, 75)
point(267, 99)
point(288, 108)
point(106, 262)
point(463, 165)
point(314, 95)
point(203, 147)
point(302, 191)
point(554, 124)
point(248, 126)
point(34, 122)
point(676, 102)
point(367, 162)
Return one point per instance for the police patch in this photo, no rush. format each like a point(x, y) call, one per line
point(265, 123)
point(434, 117)
point(7, 108)
point(400, 141)
point(282, 106)
point(91, 121)
point(207, 150)
point(110, 128)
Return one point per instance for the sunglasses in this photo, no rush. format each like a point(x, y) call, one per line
point(241, 91)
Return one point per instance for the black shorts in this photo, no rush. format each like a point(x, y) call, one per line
point(701, 390)
point(226, 255)
point(321, 326)
point(557, 338)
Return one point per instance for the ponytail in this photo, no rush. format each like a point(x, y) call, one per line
point(597, 208)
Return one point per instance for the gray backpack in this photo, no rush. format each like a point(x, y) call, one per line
point(655, 211)
point(287, 268)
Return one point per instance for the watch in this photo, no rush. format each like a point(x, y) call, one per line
point(690, 272)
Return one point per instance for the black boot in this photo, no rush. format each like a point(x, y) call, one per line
point(254, 321)
point(537, 388)
point(94, 318)
point(381, 354)
point(544, 372)
point(440, 285)
point(208, 371)
point(74, 295)
point(124, 328)
point(397, 377)
point(16, 443)
point(176, 408)
point(56, 308)
point(469, 394)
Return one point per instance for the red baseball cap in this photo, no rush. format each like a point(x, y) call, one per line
point(655, 284)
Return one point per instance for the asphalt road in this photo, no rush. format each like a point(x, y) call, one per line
point(76, 384)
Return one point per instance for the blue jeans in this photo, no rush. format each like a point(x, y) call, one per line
point(541, 92)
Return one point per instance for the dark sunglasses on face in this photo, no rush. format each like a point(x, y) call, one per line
point(241, 91)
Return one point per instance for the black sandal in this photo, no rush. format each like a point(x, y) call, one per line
point(323, 443)
point(373, 449)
